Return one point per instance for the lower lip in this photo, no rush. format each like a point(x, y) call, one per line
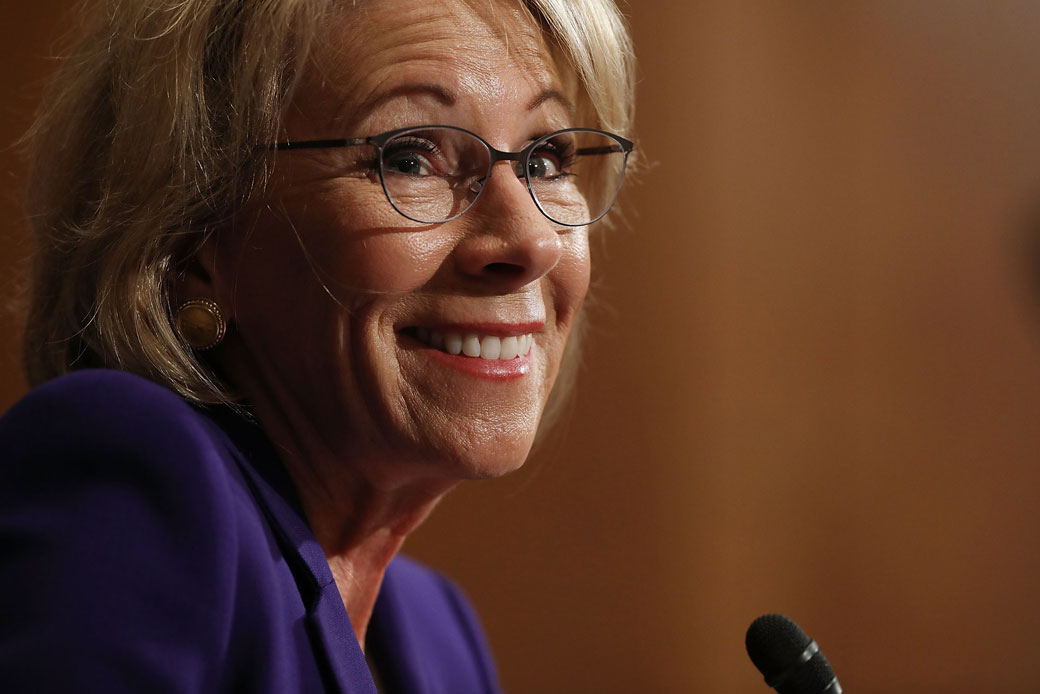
point(495, 369)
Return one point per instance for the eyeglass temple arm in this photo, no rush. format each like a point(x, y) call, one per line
point(605, 149)
point(313, 144)
point(341, 142)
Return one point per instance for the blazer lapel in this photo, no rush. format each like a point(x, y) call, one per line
point(342, 662)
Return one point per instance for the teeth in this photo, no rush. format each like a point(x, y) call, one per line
point(471, 345)
point(453, 343)
point(509, 348)
point(489, 347)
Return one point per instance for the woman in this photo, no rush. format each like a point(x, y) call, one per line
point(329, 255)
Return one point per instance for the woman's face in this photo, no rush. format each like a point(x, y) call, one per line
point(345, 310)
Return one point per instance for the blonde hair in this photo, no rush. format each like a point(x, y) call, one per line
point(146, 142)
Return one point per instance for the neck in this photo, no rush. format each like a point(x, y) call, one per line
point(361, 536)
point(359, 509)
point(360, 524)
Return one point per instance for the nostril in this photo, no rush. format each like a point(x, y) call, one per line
point(504, 269)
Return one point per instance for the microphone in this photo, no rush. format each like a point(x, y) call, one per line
point(789, 660)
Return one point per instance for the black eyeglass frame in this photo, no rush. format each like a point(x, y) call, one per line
point(494, 156)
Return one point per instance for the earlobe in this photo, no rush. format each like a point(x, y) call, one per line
point(200, 324)
point(199, 310)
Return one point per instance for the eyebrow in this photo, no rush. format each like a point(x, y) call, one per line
point(550, 95)
point(438, 92)
point(447, 98)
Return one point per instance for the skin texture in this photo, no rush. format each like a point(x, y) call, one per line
point(320, 275)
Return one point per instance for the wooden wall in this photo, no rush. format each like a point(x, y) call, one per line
point(813, 385)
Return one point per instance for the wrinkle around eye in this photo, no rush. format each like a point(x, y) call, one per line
point(324, 164)
point(317, 185)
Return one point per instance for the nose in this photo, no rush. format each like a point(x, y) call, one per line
point(508, 242)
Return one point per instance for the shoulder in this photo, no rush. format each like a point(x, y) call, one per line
point(117, 515)
point(97, 386)
point(96, 424)
point(106, 408)
point(109, 462)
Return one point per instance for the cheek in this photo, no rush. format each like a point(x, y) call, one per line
point(385, 262)
point(348, 251)
point(570, 278)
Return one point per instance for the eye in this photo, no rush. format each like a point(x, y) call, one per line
point(409, 164)
point(551, 159)
point(412, 156)
point(542, 166)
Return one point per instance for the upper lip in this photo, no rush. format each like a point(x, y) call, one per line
point(496, 328)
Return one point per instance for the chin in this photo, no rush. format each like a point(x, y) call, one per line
point(489, 457)
point(496, 468)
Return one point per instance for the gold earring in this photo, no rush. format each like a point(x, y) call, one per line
point(200, 324)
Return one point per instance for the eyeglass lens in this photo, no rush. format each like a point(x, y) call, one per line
point(432, 175)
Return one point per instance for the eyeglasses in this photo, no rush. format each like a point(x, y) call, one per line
point(434, 173)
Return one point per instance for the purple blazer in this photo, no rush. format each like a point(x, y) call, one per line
point(147, 546)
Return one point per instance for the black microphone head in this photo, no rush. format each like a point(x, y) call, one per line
point(788, 659)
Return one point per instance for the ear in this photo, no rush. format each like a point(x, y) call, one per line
point(197, 276)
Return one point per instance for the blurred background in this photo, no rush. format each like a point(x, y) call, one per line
point(813, 381)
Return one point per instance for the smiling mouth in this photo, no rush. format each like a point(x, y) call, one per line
point(490, 347)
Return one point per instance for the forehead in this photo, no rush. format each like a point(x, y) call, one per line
point(490, 50)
